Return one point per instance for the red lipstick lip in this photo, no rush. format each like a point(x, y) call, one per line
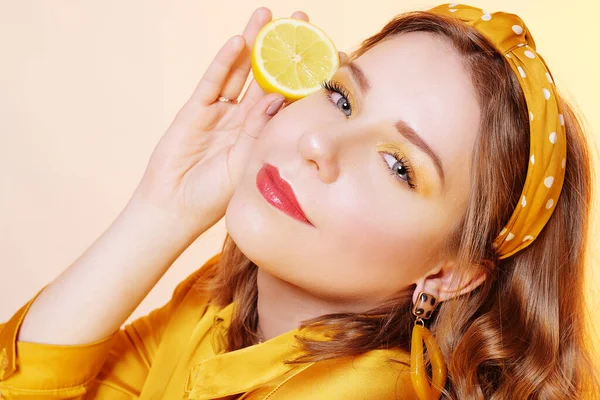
point(279, 193)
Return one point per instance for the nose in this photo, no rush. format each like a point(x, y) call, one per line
point(320, 148)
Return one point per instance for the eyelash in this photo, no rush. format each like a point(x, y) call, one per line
point(331, 86)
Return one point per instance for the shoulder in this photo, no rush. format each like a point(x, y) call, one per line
point(188, 287)
point(187, 298)
point(187, 306)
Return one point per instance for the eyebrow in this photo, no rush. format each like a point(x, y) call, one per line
point(412, 136)
point(401, 126)
point(359, 76)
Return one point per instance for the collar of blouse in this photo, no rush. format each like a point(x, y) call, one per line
point(250, 368)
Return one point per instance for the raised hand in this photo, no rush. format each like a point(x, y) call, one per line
point(197, 163)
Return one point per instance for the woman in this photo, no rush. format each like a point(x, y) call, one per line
point(412, 196)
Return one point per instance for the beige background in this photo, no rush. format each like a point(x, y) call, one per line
point(87, 88)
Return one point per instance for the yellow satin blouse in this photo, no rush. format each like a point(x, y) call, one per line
point(175, 352)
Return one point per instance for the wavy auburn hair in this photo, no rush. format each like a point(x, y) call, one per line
point(522, 333)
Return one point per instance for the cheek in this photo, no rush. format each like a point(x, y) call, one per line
point(382, 244)
point(294, 119)
point(278, 139)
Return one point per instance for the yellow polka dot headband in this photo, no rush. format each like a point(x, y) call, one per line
point(548, 146)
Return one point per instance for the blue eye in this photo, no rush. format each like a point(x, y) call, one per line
point(399, 168)
point(342, 102)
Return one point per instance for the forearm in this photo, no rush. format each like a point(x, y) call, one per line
point(96, 294)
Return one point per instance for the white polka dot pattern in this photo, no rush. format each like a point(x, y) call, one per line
point(548, 148)
point(517, 29)
point(546, 93)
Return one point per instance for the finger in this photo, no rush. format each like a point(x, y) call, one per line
point(209, 87)
point(300, 15)
point(255, 121)
point(254, 92)
point(239, 74)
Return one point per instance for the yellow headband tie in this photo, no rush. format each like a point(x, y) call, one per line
point(548, 146)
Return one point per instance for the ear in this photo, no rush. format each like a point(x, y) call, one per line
point(447, 281)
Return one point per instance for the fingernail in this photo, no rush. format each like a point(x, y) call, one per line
point(275, 106)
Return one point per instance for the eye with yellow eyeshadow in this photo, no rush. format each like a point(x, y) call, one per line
point(338, 96)
point(399, 168)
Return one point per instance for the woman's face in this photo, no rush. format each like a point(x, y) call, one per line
point(373, 230)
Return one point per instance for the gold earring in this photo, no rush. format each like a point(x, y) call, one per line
point(424, 307)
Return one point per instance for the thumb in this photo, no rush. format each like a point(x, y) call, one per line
point(255, 121)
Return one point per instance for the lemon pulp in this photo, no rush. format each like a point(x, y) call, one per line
point(293, 57)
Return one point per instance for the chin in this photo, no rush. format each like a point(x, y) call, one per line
point(268, 239)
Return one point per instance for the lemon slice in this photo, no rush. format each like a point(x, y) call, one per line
point(293, 57)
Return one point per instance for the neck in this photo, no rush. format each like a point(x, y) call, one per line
point(282, 306)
